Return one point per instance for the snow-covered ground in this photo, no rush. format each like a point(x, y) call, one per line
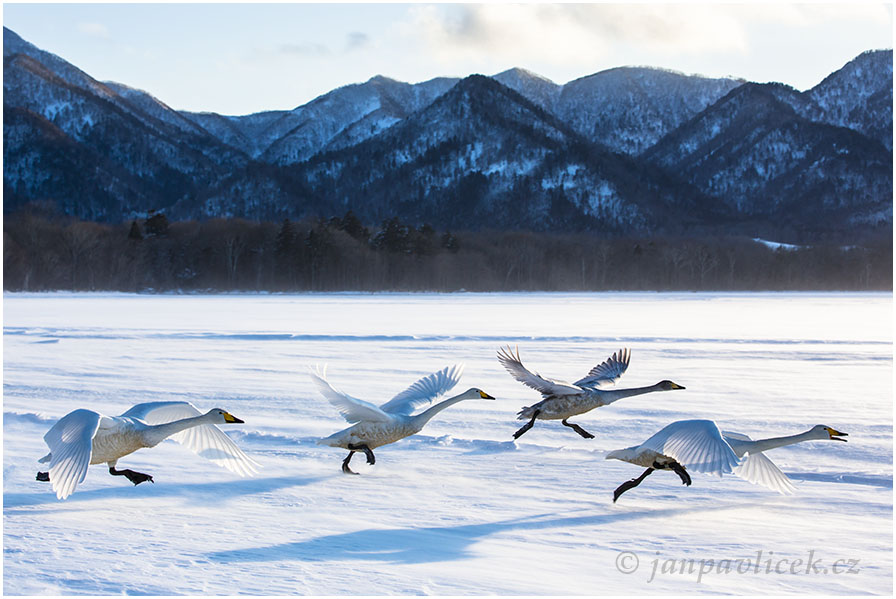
point(459, 508)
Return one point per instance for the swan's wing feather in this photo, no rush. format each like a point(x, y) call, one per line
point(206, 440)
point(608, 371)
point(695, 444)
point(71, 444)
point(545, 386)
point(162, 412)
point(351, 408)
point(759, 470)
point(210, 442)
point(424, 391)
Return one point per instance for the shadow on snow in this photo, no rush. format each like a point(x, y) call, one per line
point(414, 545)
point(210, 492)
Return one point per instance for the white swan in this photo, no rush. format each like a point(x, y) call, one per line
point(700, 446)
point(84, 437)
point(376, 426)
point(564, 400)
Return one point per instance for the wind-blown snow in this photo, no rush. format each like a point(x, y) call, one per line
point(459, 508)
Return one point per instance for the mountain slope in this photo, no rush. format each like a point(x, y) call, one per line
point(630, 109)
point(859, 96)
point(480, 156)
point(96, 142)
point(758, 156)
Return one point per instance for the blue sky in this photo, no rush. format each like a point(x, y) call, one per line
point(243, 58)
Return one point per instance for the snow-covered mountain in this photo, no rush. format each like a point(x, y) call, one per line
point(630, 109)
point(482, 154)
point(628, 149)
point(859, 96)
point(755, 152)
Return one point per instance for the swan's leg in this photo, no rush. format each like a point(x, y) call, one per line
point(367, 452)
point(630, 484)
point(527, 426)
point(345, 462)
point(43, 477)
point(134, 477)
point(578, 429)
point(681, 472)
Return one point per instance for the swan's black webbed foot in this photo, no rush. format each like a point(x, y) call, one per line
point(630, 484)
point(681, 472)
point(134, 477)
point(578, 429)
point(527, 426)
point(43, 477)
point(345, 462)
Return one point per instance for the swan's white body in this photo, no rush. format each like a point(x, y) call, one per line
point(700, 446)
point(84, 437)
point(563, 400)
point(376, 426)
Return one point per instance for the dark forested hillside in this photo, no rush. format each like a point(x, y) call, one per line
point(45, 252)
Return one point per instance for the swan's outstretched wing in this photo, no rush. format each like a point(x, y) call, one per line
point(351, 408)
point(695, 444)
point(608, 371)
point(545, 386)
point(206, 440)
point(71, 445)
point(758, 469)
point(424, 391)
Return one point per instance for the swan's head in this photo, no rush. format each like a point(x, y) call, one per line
point(821, 431)
point(219, 416)
point(475, 393)
point(668, 386)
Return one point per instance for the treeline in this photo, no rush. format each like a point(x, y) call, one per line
point(46, 252)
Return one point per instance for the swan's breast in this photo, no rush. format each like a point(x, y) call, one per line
point(566, 406)
point(374, 434)
point(113, 442)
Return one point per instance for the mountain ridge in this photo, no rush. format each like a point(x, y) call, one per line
point(628, 149)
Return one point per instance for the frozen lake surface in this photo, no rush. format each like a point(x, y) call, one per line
point(459, 508)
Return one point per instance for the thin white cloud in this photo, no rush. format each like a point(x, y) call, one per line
point(356, 40)
point(94, 30)
point(571, 34)
point(304, 49)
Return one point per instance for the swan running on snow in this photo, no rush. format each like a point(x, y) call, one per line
point(84, 437)
point(700, 446)
point(374, 426)
point(563, 400)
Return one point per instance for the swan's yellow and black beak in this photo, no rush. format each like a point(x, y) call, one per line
point(230, 418)
point(669, 385)
point(835, 434)
point(485, 395)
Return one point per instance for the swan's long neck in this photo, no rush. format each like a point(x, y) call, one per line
point(157, 433)
point(425, 416)
point(611, 395)
point(766, 444)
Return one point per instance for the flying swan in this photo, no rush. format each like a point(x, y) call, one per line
point(700, 446)
point(563, 400)
point(84, 437)
point(376, 426)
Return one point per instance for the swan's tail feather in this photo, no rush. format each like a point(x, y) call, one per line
point(333, 440)
point(525, 413)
